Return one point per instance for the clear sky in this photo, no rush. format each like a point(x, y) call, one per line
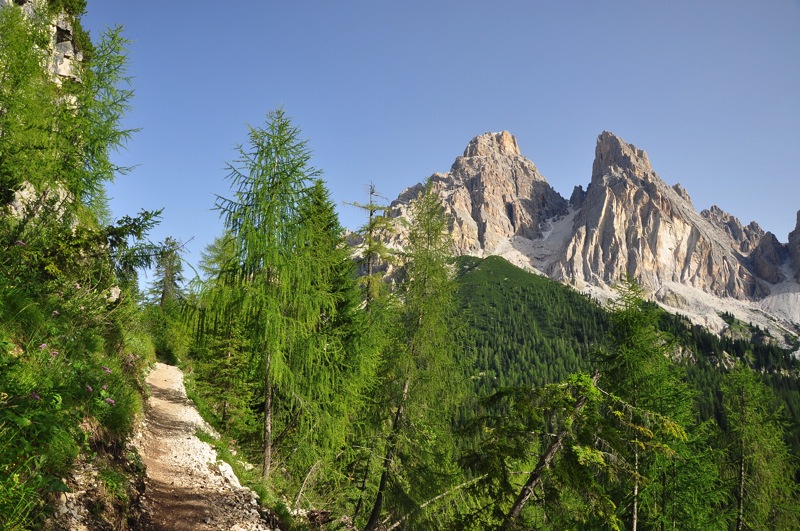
point(392, 92)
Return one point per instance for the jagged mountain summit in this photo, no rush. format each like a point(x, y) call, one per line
point(627, 221)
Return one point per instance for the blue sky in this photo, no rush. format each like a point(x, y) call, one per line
point(392, 92)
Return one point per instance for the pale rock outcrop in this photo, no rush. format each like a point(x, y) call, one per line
point(62, 42)
point(28, 6)
point(631, 222)
point(491, 194)
point(65, 55)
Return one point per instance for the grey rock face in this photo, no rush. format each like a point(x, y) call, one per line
point(768, 257)
point(794, 248)
point(746, 237)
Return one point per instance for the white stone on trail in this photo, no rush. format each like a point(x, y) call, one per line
point(187, 487)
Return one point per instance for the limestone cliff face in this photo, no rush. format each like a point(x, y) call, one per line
point(62, 42)
point(491, 194)
point(632, 222)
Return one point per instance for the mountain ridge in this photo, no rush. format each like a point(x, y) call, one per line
point(628, 221)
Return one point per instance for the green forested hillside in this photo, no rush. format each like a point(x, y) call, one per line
point(530, 333)
point(525, 329)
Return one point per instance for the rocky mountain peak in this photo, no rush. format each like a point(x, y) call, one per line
point(628, 221)
point(488, 144)
point(492, 193)
point(768, 257)
point(794, 247)
point(745, 237)
point(614, 156)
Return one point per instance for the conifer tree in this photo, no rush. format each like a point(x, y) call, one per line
point(420, 377)
point(764, 494)
point(169, 273)
point(374, 251)
point(219, 347)
point(270, 179)
point(333, 362)
point(290, 283)
point(672, 480)
point(163, 312)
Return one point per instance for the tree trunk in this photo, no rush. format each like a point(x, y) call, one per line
point(635, 517)
point(267, 418)
point(740, 501)
point(387, 463)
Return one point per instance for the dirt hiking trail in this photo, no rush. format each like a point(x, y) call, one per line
point(186, 487)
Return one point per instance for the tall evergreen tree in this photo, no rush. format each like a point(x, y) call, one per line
point(219, 349)
point(270, 179)
point(167, 286)
point(421, 377)
point(163, 312)
point(764, 494)
point(333, 362)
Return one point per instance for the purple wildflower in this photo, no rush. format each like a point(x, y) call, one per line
point(106, 369)
point(89, 388)
point(54, 353)
point(105, 388)
point(20, 243)
point(43, 346)
point(35, 395)
point(110, 401)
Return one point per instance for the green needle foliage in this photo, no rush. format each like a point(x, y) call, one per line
point(421, 379)
point(762, 492)
point(279, 331)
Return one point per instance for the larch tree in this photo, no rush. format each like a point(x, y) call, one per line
point(270, 179)
point(373, 249)
point(292, 286)
point(420, 377)
point(764, 494)
point(331, 363)
point(637, 372)
point(219, 348)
